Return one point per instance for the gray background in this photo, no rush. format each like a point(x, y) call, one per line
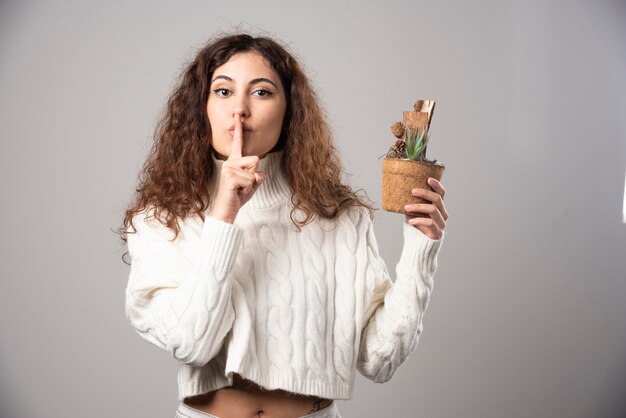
point(526, 318)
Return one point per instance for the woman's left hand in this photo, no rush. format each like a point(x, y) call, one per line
point(433, 225)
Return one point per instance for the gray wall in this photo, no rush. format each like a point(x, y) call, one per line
point(527, 315)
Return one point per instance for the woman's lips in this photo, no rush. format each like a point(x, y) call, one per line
point(246, 128)
point(231, 132)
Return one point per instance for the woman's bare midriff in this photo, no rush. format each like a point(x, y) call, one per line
point(245, 399)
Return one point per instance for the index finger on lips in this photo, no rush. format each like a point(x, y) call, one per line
point(237, 145)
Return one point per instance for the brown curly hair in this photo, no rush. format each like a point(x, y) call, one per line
point(176, 176)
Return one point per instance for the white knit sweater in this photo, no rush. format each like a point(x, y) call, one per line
point(287, 309)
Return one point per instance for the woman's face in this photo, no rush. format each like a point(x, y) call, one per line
point(248, 86)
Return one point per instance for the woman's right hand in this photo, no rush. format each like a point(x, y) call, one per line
point(238, 180)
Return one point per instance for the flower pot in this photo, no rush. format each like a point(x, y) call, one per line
point(401, 176)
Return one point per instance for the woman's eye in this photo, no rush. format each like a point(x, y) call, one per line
point(222, 92)
point(262, 92)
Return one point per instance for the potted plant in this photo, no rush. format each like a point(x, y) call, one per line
point(405, 165)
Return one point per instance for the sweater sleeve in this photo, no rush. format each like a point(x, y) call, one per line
point(182, 302)
point(393, 318)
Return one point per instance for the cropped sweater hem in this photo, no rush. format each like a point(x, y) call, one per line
point(270, 381)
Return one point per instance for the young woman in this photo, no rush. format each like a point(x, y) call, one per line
point(251, 262)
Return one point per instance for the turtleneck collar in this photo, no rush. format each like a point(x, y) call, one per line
point(275, 189)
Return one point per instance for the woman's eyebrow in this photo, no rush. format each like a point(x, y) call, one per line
point(253, 81)
point(225, 77)
point(258, 80)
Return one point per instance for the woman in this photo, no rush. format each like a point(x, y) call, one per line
point(252, 264)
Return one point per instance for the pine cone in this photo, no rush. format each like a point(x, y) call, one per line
point(397, 150)
point(397, 129)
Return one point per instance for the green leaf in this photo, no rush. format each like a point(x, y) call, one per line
point(411, 145)
point(415, 145)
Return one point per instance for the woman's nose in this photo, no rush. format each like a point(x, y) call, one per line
point(241, 107)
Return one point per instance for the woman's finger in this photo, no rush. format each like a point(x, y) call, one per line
point(429, 209)
point(259, 177)
point(237, 146)
point(236, 179)
point(427, 226)
point(433, 197)
point(437, 186)
point(248, 163)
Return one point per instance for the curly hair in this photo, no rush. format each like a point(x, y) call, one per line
point(175, 177)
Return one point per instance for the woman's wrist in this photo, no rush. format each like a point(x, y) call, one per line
point(223, 217)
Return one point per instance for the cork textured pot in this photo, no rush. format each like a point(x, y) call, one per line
point(401, 176)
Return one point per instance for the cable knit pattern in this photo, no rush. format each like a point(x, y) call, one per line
point(288, 309)
point(344, 299)
point(314, 270)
